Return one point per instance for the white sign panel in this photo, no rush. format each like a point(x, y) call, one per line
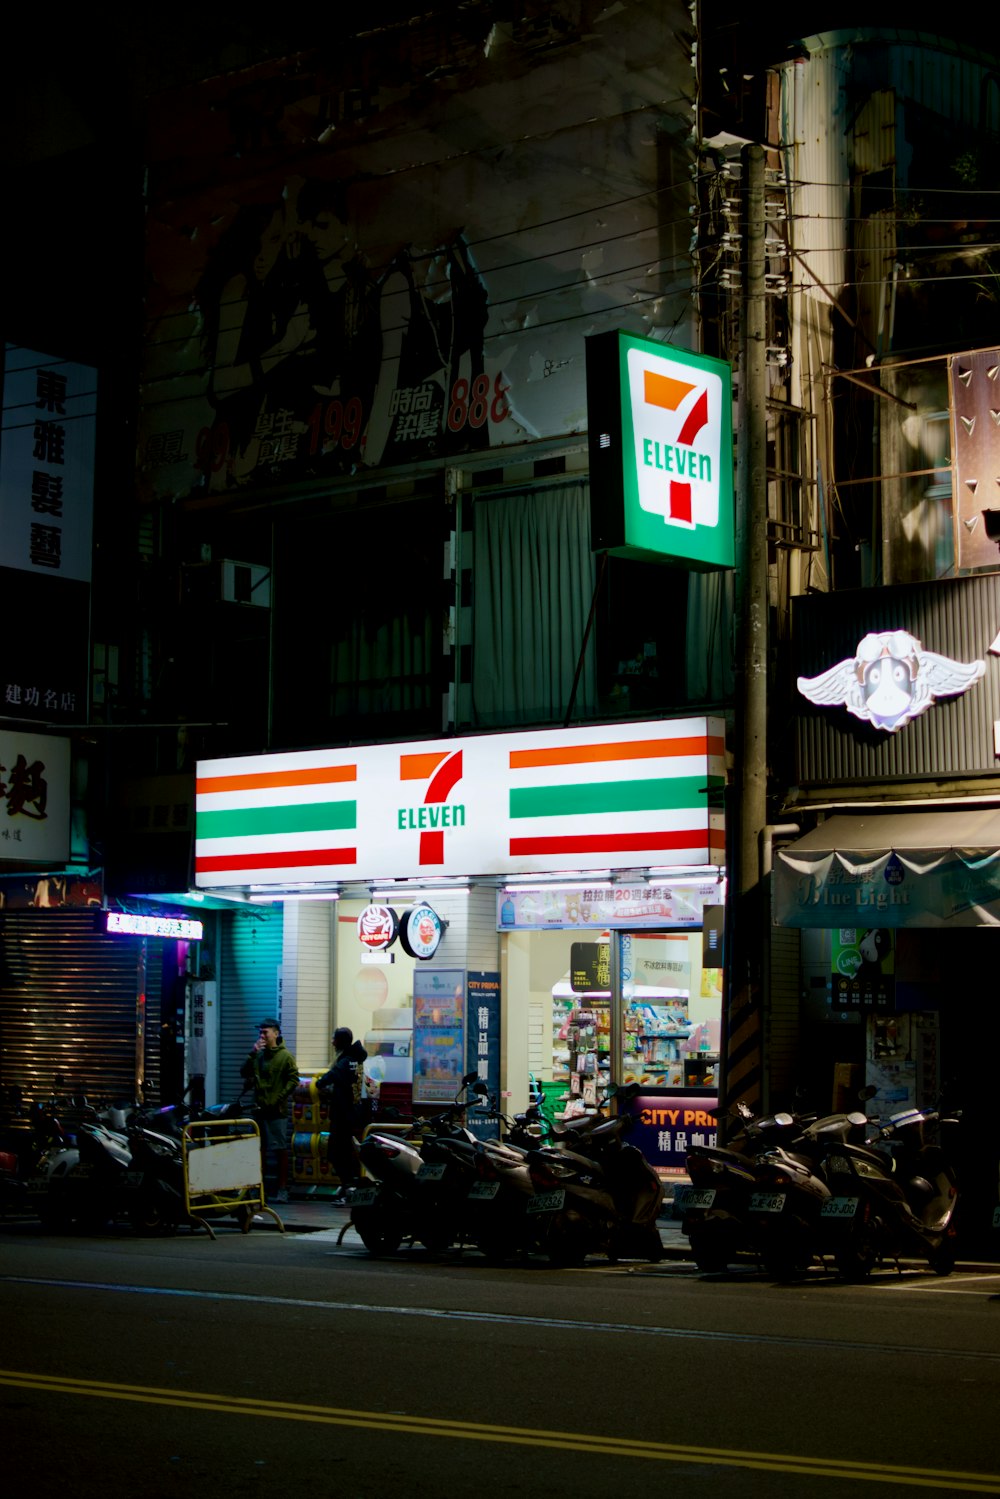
point(47, 465)
point(677, 425)
point(34, 798)
point(605, 796)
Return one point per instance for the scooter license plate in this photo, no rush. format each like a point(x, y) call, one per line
point(482, 1191)
point(694, 1197)
point(839, 1207)
point(996, 1217)
point(430, 1171)
point(545, 1202)
point(767, 1202)
point(363, 1197)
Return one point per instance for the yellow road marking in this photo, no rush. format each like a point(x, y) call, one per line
point(581, 1442)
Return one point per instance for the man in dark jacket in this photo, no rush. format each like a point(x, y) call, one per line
point(342, 1086)
point(272, 1072)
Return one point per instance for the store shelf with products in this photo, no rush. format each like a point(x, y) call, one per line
point(656, 1029)
point(581, 1050)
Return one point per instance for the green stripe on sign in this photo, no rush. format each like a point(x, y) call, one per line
point(255, 822)
point(676, 793)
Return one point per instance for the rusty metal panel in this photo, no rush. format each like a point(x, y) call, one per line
point(874, 133)
point(954, 738)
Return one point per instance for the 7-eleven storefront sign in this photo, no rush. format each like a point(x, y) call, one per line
point(602, 797)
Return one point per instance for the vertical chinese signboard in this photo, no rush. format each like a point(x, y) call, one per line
point(483, 1046)
point(46, 519)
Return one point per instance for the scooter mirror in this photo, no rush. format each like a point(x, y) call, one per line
point(469, 1079)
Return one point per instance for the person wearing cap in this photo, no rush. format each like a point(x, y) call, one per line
point(272, 1072)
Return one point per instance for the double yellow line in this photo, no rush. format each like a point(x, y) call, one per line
point(586, 1443)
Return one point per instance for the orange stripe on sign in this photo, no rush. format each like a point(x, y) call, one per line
point(636, 749)
point(663, 390)
point(420, 767)
point(267, 780)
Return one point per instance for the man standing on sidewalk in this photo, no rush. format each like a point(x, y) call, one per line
point(272, 1071)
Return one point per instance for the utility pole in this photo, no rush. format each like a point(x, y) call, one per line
point(746, 814)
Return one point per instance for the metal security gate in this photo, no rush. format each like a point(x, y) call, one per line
point(249, 964)
point(72, 999)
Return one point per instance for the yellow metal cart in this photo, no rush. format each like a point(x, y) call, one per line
point(223, 1172)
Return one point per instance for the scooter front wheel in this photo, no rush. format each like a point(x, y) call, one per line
point(565, 1244)
point(149, 1219)
point(942, 1259)
point(788, 1253)
point(378, 1233)
point(713, 1244)
point(856, 1259)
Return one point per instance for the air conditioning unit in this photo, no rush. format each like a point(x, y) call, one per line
point(246, 583)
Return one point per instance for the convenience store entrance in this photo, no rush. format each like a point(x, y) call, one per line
point(630, 1006)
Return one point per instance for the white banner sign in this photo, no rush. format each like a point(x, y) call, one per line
point(606, 796)
point(34, 798)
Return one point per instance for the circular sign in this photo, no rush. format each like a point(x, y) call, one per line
point(420, 931)
point(377, 927)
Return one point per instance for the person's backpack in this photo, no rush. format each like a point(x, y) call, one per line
point(365, 1094)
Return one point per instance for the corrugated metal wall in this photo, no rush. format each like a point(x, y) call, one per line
point(68, 1005)
point(954, 737)
point(782, 1026)
point(249, 959)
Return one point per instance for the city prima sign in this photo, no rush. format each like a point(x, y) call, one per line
point(661, 452)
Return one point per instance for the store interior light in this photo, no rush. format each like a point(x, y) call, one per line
point(287, 895)
point(401, 893)
point(541, 888)
point(588, 878)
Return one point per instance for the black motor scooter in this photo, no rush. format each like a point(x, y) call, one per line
point(887, 1202)
point(715, 1208)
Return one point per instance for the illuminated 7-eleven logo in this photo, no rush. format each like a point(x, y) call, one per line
point(676, 419)
point(441, 772)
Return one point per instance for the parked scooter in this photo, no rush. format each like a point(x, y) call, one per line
point(594, 1192)
point(790, 1192)
point(67, 1184)
point(419, 1183)
point(715, 1208)
point(888, 1203)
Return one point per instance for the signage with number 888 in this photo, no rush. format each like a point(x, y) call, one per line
point(473, 405)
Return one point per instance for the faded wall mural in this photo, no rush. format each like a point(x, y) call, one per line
point(348, 274)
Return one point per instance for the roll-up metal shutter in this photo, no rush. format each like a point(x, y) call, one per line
point(69, 1005)
point(249, 961)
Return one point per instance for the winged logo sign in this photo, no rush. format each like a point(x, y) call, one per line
point(890, 680)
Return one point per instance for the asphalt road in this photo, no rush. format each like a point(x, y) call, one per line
point(269, 1365)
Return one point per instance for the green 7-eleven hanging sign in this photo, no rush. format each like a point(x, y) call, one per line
point(661, 452)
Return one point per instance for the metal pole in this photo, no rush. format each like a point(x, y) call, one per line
point(743, 1051)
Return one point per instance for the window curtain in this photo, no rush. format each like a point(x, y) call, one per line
point(533, 583)
point(709, 642)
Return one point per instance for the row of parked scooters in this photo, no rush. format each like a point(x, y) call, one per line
point(844, 1187)
point(565, 1195)
point(73, 1164)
